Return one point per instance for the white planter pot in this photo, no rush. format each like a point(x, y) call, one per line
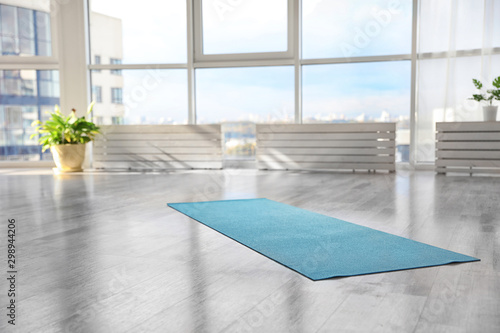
point(68, 158)
point(490, 112)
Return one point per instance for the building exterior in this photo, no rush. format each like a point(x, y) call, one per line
point(107, 85)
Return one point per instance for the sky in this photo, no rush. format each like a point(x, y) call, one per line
point(153, 33)
point(250, 93)
point(357, 88)
point(226, 26)
point(338, 28)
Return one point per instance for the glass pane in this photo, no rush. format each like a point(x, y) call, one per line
point(28, 81)
point(9, 21)
point(244, 26)
point(97, 94)
point(153, 96)
point(154, 32)
point(360, 92)
point(20, 105)
point(10, 35)
point(344, 29)
point(43, 34)
point(241, 97)
point(26, 24)
point(25, 31)
point(26, 47)
point(49, 83)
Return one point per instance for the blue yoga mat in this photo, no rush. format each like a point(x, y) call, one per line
point(315, 245)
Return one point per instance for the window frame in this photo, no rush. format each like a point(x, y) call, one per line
point(199, 56)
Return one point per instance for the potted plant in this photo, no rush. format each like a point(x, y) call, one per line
point(489, 110)
point(66, 137)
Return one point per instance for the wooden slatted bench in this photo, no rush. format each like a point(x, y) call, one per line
point(357, 146)
point(468, 147)
point(158, 147)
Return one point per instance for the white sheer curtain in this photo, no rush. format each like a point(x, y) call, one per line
point(457, 40)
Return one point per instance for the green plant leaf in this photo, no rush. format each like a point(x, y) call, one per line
point(495, 94)
point(496, 82)
point(59, 129)
point(91, 107)
point(477, 83)
point(478, 97)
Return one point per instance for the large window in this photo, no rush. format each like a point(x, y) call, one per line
point(243, 62)
point(270, 76)
point(316, 61)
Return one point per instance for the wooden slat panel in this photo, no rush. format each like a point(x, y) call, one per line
point(470, 136)
point(468, 127)
point(324, 136)
point(157, 150)
point(468, 163)
point(469, 154)
point(326, 143)
point(466, 170)
point(492, 145)
point(161, 136)
point(326, 151)
point(157, 157)
point(328, 128)
point(330, 166)
point(159, 147)
point(324, 158)
point(158, 143)
point(326, 146)
point(157, 165)
point(472, 147)
point(215, 129)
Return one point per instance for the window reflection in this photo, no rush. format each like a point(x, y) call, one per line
point(24, 32)
point(25, 96)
